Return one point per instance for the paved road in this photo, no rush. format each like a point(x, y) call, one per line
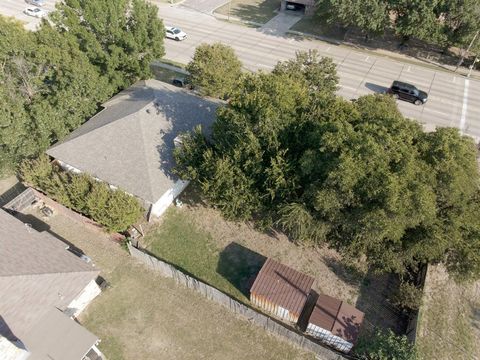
point(15, 8)
point(453, 100)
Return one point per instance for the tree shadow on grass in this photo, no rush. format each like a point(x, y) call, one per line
point(259, 13)
point(348, 273)
point(373, 300)
point(240, 266)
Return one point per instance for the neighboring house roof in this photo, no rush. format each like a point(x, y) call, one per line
point(130, 143)
point(283, 286)
point(56, 336)
point(338, 317)
point(37, 274)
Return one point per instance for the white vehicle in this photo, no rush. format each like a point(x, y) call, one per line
point(36, 2)
point(175, 33)
point(35, 12)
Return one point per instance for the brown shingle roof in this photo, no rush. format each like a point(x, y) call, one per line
point(337, 316)
point(283, 286)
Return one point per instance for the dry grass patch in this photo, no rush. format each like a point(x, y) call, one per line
point(144, 316)
point(449, 324)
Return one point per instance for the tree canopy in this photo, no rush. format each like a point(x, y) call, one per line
point(214, 70)
point(357, 176)
point(441, 22)
point(53, 79)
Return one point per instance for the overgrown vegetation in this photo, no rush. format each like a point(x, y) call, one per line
point(357, 176)
point(385, 345)
point(53, 79)
point(113, 209)
point(442, 22)
point(214, 70)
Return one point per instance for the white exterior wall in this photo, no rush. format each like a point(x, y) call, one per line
point(328, 338)
point(164, 202)
point(91, 291)
point(67, 167)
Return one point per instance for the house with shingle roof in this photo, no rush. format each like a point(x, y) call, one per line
point(130, 143)
point(42, 286)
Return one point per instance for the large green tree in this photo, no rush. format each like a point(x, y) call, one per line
point(214, 69)
point(48, 88)
point(369, 15)
point(120, 37)
point(357, 176)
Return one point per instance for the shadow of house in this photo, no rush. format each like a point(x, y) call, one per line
point(41, 226)
point(240, 265)
point(373, 300)
point(376, 88)
point(11, 193)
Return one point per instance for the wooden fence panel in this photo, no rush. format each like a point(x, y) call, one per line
point(261, 320)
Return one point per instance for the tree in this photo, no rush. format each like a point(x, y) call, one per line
point(49, 87)
point(214, 70)
point(120, 37)
point(319, 72)
point(357, 176)
point(385, 345)
point(369, 15)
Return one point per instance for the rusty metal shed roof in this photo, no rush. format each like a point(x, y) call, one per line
point(338, 317)
point(283, 286)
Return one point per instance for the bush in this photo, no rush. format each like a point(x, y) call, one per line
point(114, 209)
point(385, 345)
point(408, 296)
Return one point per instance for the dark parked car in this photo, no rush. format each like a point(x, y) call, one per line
point(408, 92)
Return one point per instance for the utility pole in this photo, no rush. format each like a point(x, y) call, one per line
point(472, 66)
point(229, 6)
point(460, 62)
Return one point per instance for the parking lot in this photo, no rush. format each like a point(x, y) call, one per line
point(16, 9)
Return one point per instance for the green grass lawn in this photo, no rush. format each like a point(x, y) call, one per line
point(258, 11)
point(192, 250)
point(315, 26)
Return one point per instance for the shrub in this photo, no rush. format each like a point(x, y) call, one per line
point(408, 296)
point(113, 209)
point(385, 345)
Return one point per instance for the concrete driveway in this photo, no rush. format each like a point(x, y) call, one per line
point(453, 99)
point(15, 8)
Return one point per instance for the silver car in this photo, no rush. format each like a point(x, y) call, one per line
point(36, 2)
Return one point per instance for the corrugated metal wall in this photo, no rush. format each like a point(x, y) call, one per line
point(273, 309)
point(328, 338)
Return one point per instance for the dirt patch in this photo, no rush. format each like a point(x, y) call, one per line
point(449, 325)
point(143, 316)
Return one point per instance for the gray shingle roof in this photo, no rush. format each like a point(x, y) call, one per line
point(130, 144)
point(36, 274)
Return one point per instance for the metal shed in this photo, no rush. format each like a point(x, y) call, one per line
point(335, 322)
point(281, 290)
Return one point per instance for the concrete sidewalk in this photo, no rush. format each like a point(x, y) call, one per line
point(281, 23)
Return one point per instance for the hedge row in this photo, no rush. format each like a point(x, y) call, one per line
point(114, 209)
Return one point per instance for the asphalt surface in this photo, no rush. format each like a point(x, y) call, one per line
point(15, 8)
point(453, 99)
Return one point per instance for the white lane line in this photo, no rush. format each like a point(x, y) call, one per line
point(368, 57)
point(464, 107)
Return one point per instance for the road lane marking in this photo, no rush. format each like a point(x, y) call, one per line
point(328, 49)
point(368, 57)
point(465, 106)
